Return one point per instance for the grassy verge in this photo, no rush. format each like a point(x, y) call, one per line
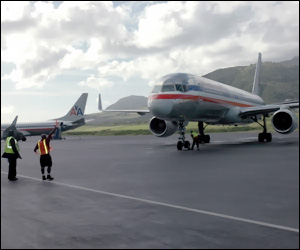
point(143, 129)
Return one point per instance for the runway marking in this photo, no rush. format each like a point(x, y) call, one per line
point(170, 205)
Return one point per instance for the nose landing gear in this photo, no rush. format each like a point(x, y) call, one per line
point(182, 143)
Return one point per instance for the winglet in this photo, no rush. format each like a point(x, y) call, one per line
point(99, 103)
point(255, 88)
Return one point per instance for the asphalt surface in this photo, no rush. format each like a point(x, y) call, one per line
point(141, 192)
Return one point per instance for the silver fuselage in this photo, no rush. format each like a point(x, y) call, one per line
point(188, 97)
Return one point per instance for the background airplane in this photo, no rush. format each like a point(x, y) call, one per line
point(179, 98)
point(73, 119)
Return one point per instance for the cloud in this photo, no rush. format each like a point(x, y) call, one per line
point(13, 11)
point(7, 109)
point(96, 83)
point(141, 39)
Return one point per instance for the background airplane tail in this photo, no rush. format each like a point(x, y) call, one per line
point(255, 88)
point(77, 111)
point(11, 127)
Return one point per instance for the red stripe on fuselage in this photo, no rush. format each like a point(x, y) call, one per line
point(34, 129)
point(196, 98)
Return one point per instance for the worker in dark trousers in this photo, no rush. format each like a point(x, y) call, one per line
point(44, 148)
point(195, 137)
point(11, 152)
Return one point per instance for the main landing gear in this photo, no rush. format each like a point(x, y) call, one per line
point(202, 137)
point(182, 143)
point(264, 135)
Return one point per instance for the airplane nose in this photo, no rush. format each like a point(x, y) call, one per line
point(160, 108)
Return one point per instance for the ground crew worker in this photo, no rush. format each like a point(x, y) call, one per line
point(11, 152)
point(44, 148)
point(195, 137)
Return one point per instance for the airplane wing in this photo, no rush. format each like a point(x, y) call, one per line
point(266, 109)
point(140, 112)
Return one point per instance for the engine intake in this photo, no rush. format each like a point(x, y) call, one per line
point(162, 128)
point(284, 121)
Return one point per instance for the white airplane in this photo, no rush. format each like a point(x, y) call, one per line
point(73, 119)
point(179, 98)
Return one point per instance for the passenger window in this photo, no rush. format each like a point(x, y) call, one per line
point(166, 88)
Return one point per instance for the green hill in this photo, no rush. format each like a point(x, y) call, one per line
point(278, 81)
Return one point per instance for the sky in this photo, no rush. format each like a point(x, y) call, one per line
point(53, 51)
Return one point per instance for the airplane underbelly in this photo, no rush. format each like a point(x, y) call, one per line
point(184, 110)
point(197, 111)
point(211, 112)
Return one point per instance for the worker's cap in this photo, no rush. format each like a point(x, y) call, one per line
point(43, 136)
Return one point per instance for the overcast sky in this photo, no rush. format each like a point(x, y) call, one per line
point(51, 52)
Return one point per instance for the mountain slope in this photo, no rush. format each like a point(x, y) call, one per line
point(278, 82)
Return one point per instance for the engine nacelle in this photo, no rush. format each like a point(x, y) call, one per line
point(162, 128)
point(284, 121)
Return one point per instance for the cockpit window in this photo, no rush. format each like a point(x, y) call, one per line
point(178, 82)
point(179, 87)
point(166, 88)
point(156, 88)
point(193, 87)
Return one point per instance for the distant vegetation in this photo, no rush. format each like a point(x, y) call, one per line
point(143, 129)
point(279, 82)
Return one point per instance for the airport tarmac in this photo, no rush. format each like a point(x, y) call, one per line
point(138, 192)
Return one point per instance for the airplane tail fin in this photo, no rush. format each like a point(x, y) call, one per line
point(77, 111)
point(255, 88)
point(14, 123)
point(10, 127)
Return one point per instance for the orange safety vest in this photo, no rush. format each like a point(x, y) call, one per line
point(43, 149)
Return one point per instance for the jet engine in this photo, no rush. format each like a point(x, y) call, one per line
point(162, 128)
point(284, 121)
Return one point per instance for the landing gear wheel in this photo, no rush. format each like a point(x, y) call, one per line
point(206, 139)
point(264, 136)
point(187, 145)
point(268, 137)
point(179, 145)
point(200, 139)
point(261, 137)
